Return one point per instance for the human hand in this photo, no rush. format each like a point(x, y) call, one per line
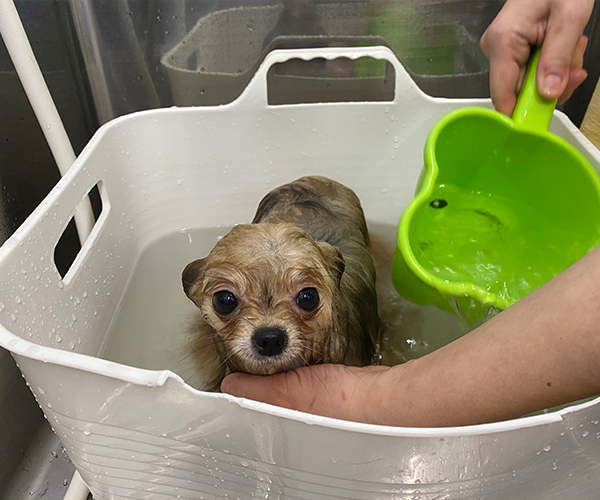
point(556, 26)
point(337, 391)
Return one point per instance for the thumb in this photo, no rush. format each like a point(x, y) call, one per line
point(288, 389)
point(243, 385)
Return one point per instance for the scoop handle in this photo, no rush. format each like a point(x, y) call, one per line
point(532, 112)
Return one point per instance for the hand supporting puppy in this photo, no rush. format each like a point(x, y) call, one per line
point(541, 352)
point(558, 25)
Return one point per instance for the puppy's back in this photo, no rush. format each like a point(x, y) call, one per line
point(325, 209)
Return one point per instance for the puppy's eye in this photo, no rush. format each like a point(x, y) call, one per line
point(308, 299)
point(224, 302)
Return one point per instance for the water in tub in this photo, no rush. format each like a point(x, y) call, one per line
point(152, 328)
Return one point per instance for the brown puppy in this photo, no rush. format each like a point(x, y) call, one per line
point(295, 287)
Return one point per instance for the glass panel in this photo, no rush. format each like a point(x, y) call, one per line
point(147, 53)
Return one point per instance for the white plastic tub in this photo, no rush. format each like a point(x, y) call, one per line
point(95, 345)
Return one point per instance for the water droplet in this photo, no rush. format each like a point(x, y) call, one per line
point(87, 431)
point(584, 433)
point(547, 447)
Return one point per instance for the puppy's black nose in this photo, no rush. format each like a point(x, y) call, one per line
point(270, 341)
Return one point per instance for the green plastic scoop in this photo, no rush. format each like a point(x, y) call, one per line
point(502, 206)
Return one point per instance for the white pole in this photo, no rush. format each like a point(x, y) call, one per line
point(77, 489)
point(31, 77)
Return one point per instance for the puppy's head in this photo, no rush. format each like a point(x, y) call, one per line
point(270, 293)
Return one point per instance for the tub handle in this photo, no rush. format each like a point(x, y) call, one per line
point(256, 93)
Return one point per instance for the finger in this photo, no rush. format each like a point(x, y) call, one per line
point(576, 78)
point(578, 53)
point(576, 72)
point(304, 389)
point(561, 41)
point(280, 389)
point(505, 76)
point(506, 43)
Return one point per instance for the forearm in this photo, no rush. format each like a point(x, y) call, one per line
point(541, 352)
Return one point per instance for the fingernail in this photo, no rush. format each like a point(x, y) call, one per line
point(551, 87)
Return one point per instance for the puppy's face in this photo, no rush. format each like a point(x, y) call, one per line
point(270, 293)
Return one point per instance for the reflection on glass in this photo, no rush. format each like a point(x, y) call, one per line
point(145, 54)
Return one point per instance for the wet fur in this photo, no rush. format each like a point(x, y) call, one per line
point(309, 233)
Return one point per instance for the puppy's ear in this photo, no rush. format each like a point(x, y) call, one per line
point(191, 275)
point(334, 259)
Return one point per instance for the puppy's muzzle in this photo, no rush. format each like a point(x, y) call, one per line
point(270, 341)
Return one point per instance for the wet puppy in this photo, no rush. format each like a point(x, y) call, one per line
point(295, 287)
